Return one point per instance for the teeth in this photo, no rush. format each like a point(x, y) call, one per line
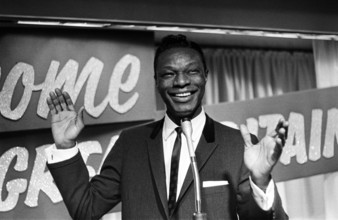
point(183, 94)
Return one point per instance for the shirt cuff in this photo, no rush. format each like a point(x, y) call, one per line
point(55, 155)
point(263, 199)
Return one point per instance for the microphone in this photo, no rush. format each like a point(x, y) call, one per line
point(187, 131)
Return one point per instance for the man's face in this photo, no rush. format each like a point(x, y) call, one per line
point(180, 80)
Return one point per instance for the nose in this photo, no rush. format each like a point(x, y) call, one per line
point(181, 79)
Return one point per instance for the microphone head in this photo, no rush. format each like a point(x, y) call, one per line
point(187, 131)
point(186, 127)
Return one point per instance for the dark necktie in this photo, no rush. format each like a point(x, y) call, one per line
point(175, 158)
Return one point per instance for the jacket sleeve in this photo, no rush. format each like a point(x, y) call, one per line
point(86, 199)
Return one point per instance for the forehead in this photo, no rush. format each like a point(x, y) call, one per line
point(179, 56)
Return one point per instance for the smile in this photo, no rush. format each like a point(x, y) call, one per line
point(182, 97)
point(185, 94)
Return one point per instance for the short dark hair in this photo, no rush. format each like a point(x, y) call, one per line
point(177, 41)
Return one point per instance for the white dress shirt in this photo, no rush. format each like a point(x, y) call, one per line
point(169, 135)
point(264, 200)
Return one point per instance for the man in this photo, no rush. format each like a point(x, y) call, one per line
point(234, 167)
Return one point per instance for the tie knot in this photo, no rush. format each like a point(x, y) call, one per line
point(178, 130)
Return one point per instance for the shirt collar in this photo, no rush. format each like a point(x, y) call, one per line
point(197, 124)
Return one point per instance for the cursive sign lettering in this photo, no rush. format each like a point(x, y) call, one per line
point(68, 78)
point(41, 179)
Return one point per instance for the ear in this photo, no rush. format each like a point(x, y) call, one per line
point(206, 73)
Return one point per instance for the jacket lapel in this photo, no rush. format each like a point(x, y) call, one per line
point(156, 161)
point(204, 150)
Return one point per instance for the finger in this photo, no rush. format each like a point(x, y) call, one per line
point(281, 135)
point(277, 150)
point(279, 125)
point(51, 106)
point(246, 135)
point(79, 119)
point(55, 101)
point(61, 99)
point(69, 101)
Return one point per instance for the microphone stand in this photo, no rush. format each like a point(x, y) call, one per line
point(187, 131)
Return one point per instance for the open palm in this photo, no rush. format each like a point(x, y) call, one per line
point(66, 123)
point(260, 158)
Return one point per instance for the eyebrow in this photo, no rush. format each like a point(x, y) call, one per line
point(189, 65)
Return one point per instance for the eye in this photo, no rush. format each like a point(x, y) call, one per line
point(167, 74)
point(194, 72)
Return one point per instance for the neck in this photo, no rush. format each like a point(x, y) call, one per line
point(177, 118)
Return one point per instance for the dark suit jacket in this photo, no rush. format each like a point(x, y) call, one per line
point(134, 173)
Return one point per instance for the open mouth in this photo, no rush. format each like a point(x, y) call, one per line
point(184, 94)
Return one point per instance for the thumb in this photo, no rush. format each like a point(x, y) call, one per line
point(245, 134)
point(79, 118)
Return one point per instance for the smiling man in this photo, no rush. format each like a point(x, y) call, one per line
point(181, 75)
point(148, 170)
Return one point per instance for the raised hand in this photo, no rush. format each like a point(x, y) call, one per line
point(66, 123)
point(263, 156)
